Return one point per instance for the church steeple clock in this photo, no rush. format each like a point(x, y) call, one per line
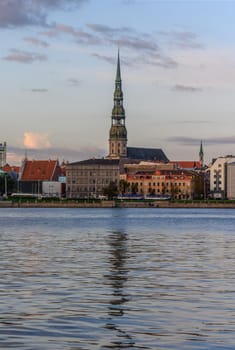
point(118, 132)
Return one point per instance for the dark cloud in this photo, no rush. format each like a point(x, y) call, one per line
point(109, 59)
point(132, 42)
point(74, 82)
point(186, 88)
point(39, 90)
point(113, 60)
point(158, 59)
point(36, 42)
point(146, 59)
point(194, 122)
point(80, 36)
point(182, 39)
point(15, 13)
point(110, 31)
point(24, 56)
point(71, 155)
point(143, 46)
point(189, 141)
point(125, 37)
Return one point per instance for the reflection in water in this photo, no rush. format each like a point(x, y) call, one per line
point(117, 278)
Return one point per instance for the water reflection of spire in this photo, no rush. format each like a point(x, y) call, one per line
point(116, 279)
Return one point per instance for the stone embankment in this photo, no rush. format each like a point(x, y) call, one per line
point(118, 204)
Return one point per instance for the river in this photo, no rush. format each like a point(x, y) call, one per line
point(76, 279)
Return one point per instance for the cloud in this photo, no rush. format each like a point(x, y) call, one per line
point(16, 13)
point(182, 39)
point(36, 42)
point(186, 88)
point(74, 82)
point(143, 47)
point(16, 154)
point(39, 90)
point(125, 37)
point(193, 122)
point(190, 141)
point(24, 56)
point(34, 140)
point(80, 36)
point(112, 59)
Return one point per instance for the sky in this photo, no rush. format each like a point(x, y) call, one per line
point(58, 64)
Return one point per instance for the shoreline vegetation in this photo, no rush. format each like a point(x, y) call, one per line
point(92, 203)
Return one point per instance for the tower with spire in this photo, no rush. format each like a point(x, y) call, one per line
point(201, 156)
point(118, 132)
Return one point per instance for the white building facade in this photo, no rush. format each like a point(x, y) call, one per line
point(219, 181)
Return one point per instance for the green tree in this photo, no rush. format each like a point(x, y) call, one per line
point(123, 186)
point(134, 187)
point(174, 190)
point(7, 183)
point(199, 185)
point(111, 190)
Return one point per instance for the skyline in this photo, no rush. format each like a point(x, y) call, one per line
point(58, 63)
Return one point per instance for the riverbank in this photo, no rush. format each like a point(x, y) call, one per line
point(118, 204)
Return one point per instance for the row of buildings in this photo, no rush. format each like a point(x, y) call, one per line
point(92, 178)
point(125, 170)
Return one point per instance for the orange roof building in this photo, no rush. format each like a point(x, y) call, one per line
point(186, 164)
point(11, 168)
point(40, 170)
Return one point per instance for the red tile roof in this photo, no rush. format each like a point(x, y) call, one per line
point(188, 164)
point(8, 168)
point(40, 170)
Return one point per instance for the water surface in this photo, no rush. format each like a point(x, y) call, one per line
point(117, 279)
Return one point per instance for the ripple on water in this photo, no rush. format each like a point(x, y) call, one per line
point(117, 279)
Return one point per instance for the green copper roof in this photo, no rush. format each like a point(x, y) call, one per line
point(118, 74)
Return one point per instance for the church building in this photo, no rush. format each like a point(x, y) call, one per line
point(118, 133)
point(88, 178)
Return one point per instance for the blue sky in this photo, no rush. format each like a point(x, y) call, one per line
point(58, 64)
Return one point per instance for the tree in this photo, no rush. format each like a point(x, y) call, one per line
point(123, 186)
point(174, 191)
point(199, 184)
point(111, 190)
point(134, 187)
point(7, 183)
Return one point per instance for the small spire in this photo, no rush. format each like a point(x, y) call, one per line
point(118, 75)
point(201, 155)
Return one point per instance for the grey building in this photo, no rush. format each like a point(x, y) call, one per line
point(88, 178)
point(3, 154)
point(231, 179)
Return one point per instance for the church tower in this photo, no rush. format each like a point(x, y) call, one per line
point(201, 156)
point(118, 132)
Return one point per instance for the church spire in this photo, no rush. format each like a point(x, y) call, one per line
point(118, 133)
point(201, 155)
point(118, 74)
